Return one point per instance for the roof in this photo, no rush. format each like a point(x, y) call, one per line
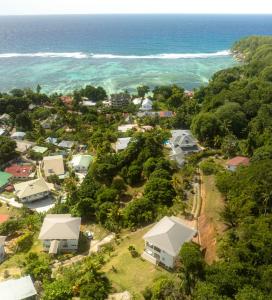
point(122, 143)
point(53, 165)
point(2, 131)
point(60, 226)
point(17, 289)
point(2, 240)
point(238, 160)
point(147, 101)
point(51, 140)
point(19, 170)
point(88, 103)
point(32, 187)
point(39, 149)
point(4, 117)
point(68, 100)
point(22, 146)
point(137, 101)
point(80, 160)
point(169, 234)
point(126, 127)
point(165, 114)
point(4, 178)
point(66, 144)
point(3, 218)
point(18, 134)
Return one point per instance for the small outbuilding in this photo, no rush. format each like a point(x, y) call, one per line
point(237, 161)
point(122, 144)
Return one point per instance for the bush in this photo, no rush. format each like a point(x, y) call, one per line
point(133, 251)
point(208, 167)
point(9, 227)
point(24, 242)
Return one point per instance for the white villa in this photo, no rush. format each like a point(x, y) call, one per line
point(182, 143)
point(164, 241)
point(2, 247)
point(53, 165)
point(18, 289)
point(32, 190)
point(126, 127)
point(18, 135)
point(146, 104)
point(122, 143)
point(81, 163)
point(60, 232)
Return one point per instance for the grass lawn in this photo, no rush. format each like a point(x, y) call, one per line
point(99, 231)
point(132, 274)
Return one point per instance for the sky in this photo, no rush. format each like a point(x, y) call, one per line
point(32, 7)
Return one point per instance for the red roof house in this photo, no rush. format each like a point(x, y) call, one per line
point(3, 218)
point(67, 100)
point(233, 163)
point(19, 171)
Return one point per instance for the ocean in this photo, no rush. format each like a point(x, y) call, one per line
point(119, 52)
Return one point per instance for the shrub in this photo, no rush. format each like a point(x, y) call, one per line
point(133, 251)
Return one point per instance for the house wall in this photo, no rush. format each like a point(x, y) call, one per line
point(35, 197)
point(162, 256)
point(64, 245)
point(2, 253)
point(231, 168)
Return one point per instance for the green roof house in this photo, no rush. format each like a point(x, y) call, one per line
point(80, 163)
point(4, 180)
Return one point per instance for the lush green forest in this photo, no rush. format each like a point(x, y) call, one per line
point(235, 116)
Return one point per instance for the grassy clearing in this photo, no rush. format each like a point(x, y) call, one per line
point(99, 231)
point(132, 274)
point(214, 202)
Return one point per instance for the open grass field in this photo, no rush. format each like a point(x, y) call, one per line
point(132, 274)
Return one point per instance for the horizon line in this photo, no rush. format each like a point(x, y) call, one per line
point(131, 13)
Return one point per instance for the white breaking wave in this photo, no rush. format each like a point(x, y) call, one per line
point(46, 54)
point(164, 55)
point(81, 55)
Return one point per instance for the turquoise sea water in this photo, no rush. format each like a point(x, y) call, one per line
point(119, 52)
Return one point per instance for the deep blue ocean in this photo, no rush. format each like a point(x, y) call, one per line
point(119, 52)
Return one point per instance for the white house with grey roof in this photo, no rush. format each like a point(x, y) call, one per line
point(146, 105)
point(18, 135)
point(60, 233)
point(182, 143)
point(32, 190)
point(66, 144)
point(18, 289)
point(164, 241)
point(122, 143)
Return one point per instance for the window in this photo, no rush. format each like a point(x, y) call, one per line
point(157, 249)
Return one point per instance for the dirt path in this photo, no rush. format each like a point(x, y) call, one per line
point(209, 225)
